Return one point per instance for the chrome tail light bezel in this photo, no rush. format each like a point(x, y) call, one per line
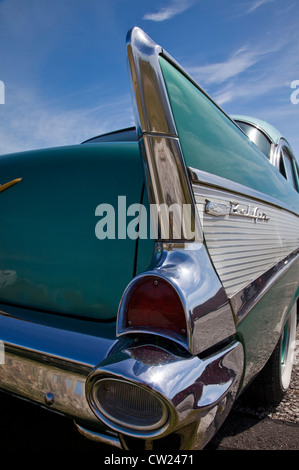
point(181, 384)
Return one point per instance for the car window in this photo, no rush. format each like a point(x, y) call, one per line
point(257, 137)
point(288, 168)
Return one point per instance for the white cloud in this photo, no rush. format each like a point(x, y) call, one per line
point(248, 90)
point(219, 72)
point(251, 71)
point(165, 13)
point(257, 4)
point(29, 123)
point(257, 81)
point(239, 62)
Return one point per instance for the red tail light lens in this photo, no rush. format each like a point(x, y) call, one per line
point(155, 304)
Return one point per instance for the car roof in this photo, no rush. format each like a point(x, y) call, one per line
point(273, 134)
point(121, 135)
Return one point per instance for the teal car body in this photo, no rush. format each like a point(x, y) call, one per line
point(149, 276)
point(53, 197)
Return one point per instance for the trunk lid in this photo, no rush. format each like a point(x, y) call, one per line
point(50, 256)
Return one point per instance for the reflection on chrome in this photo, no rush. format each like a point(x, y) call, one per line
point(188, 268)
point(190, 388)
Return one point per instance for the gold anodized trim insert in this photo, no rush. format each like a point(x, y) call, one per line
point(5, 186)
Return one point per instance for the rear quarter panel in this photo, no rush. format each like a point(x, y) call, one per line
point(247, 253)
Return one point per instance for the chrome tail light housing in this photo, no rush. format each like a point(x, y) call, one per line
point(148, 390)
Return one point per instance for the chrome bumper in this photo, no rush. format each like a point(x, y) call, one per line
point(48, 364)
point(197, 393)
point(56, 368)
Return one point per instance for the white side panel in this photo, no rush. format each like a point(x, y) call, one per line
point(247, 238)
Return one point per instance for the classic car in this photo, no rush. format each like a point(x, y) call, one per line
point(273, 144)
point(150, 275)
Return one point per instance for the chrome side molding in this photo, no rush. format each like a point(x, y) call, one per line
point(202, 178)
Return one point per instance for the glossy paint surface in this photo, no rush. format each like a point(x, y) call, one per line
point(261, 328)
point(211, 142)
point(50, 257)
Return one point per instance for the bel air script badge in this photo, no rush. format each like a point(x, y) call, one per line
point(222, 208)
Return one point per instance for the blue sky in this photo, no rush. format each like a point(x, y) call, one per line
point(63, 62)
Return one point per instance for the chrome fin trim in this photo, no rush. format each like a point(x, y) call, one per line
point(165, 170)
point(152, 110)
point(168, 184)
